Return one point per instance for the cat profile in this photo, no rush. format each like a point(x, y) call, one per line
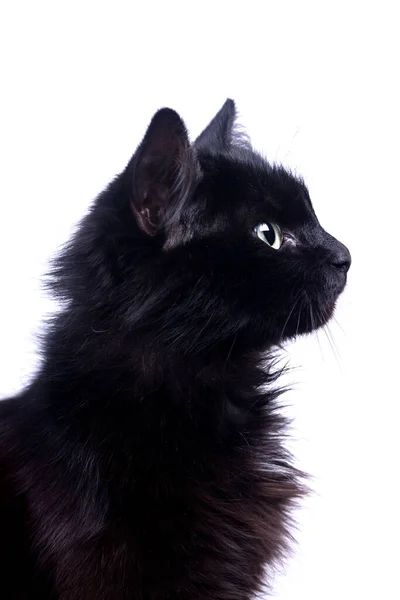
point(146, 460)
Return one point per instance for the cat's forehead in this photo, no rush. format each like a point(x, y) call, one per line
point(247, 182)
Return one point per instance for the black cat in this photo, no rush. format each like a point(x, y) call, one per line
point(145, 461)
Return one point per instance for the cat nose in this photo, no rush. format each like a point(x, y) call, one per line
point(341, 258)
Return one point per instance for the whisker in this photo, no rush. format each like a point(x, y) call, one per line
point(290, 314)
point(332, 343)
point(298, 319)
point(338, 324)
point(314, 327)
point(229, 354)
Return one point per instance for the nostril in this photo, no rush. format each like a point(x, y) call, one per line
point(342, 260)
point(343, 265)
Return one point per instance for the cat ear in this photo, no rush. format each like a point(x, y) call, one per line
point(222, 133)
point(164, 170)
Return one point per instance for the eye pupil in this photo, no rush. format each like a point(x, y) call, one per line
point(270, 234)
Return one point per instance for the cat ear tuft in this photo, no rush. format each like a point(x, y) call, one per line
point(164, 171)
point(222, 133)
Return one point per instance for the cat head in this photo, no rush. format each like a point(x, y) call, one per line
point(205, 242)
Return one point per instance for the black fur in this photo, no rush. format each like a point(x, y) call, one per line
point(146, 459)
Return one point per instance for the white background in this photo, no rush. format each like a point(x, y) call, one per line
point(316, 87)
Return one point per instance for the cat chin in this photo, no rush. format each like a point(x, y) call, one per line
point(330, 311)
point(324, 316)
point(309, 324)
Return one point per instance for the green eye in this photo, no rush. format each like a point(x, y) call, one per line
point(270, 234)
